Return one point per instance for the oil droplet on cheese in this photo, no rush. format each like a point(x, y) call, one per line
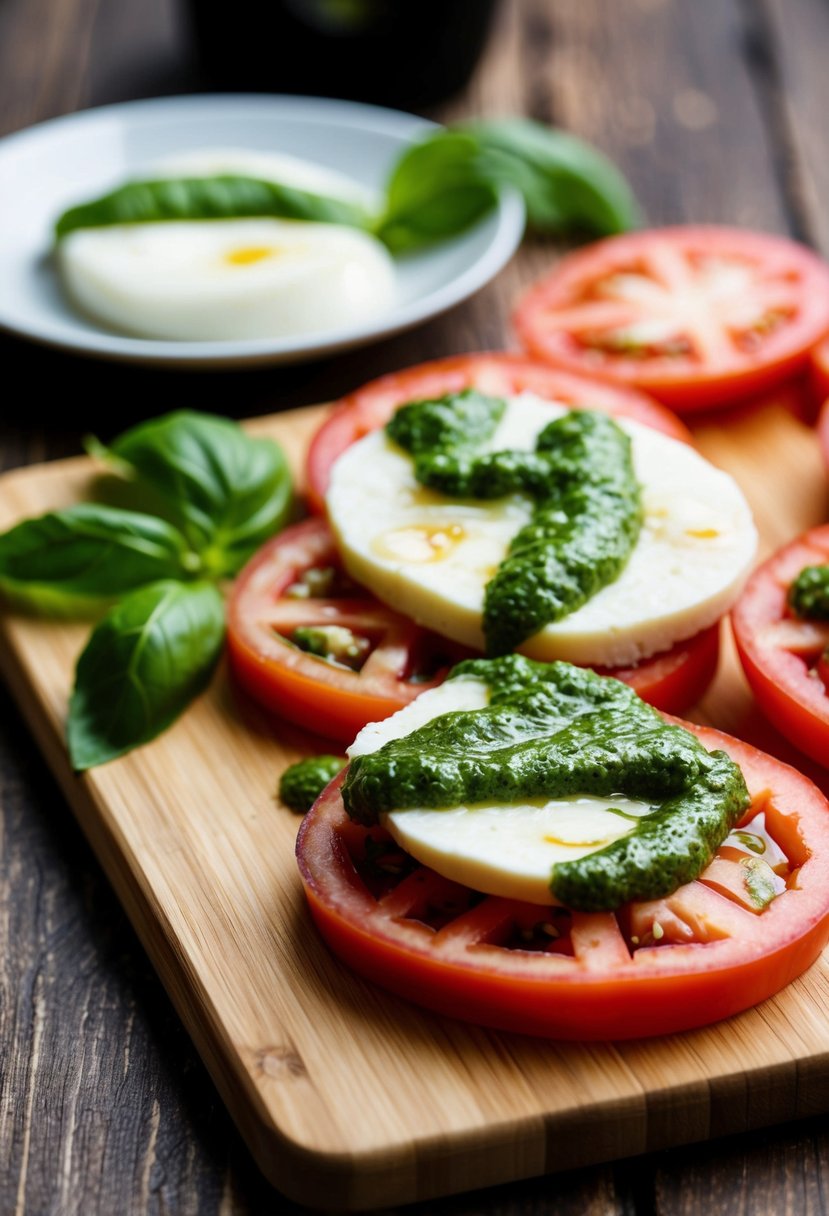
point(419, 543)
point(247, 255)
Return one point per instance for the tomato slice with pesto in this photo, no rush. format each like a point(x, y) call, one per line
point(782, 654)
point(697, 316)
point(497, 374)
point(722, 943)
point(315, 648)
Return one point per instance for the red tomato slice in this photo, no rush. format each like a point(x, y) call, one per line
point(696, 316)
point(328, 698)
point(333, 700)
point(498, 373)
point(699, 955)
point(779, 653)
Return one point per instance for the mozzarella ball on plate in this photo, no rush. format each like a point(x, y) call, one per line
point(211, 280)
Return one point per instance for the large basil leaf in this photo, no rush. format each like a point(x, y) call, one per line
point(228, 196)
point(446, 182)
point(567, 184)
point(227, 492)
point(435, 191)
point(89, 553)
point(144, 663)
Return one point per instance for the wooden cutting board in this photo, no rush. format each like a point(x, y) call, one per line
point(349, 1097)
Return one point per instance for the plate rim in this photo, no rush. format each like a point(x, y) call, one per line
point(509, 220)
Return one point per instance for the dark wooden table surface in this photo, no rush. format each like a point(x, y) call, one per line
point(717, 110)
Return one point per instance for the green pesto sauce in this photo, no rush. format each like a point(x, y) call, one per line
point(302, 783)
point(587, 514)
point(809, 593)
point(551, 730)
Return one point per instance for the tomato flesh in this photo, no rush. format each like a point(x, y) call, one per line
point(325, 697)
point(500, 374)
point(651, 968)
point(782, 655)
point(696, 316)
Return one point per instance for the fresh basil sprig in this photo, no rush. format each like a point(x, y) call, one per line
point(227, 492)
point(222, 493)
point(438, 188)
point(144, 663)
point(450, 179)
point(227, 196)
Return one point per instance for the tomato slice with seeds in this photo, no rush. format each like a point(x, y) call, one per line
point(781, 654)
point(500, 374)
point(296, 582)
point(696, 316)
point(394, 660)
point(701, 954)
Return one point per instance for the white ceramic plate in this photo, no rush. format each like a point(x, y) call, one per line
point(49, 167)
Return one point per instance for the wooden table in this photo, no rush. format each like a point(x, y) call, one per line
point(716, 111)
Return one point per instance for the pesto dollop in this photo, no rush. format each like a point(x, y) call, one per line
point(809, 593)
point(552, 729)
point(587, 509)
point(302, 783)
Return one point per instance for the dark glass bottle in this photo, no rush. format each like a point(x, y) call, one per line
point(404, 53)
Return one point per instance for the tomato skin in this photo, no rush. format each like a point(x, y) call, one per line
point(676, 679)
point(320, 696)
point(609, 995)
point(794, 700)
point(681, 381)
point(371, 406)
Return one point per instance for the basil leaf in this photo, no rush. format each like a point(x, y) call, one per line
point(444, 184)
point(567, 184)
point(435, 191)
point(228, 196)
point(89, 553)
point(144, 663)
point(227, 492)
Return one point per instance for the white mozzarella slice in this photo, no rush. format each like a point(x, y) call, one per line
point(507, 850)
point(459, 694)
point(431, 556)
point(227, 279)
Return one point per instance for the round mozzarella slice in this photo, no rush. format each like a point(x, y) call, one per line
point(226, 279)
point(431, 556)
point(508, 850)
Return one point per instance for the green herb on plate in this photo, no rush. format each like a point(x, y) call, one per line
point(226, 196)
point(438, 188)
point(442, 185)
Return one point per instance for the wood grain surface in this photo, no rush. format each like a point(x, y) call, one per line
point(717, 112)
